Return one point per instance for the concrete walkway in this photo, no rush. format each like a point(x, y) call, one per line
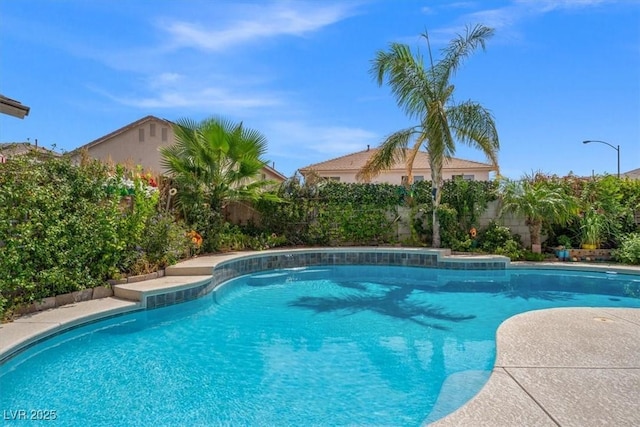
point(555, 367)
point(561, 367)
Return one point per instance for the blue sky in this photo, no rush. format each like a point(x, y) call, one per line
point(556, 72)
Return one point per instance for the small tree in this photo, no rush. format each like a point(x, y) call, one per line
point(539, 201)
point(212, 163)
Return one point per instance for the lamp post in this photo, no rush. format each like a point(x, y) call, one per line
point(606, 143)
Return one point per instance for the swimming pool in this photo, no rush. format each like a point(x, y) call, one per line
point(320, 345)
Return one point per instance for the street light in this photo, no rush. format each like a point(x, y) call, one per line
point(606, 143)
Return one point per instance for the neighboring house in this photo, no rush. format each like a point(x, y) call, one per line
point(9, 150)
point(345, 168)
point(138, 143)
point(633, 174)
point(13, 108)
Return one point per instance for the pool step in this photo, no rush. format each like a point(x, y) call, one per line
point(139, 291)
point(188, 270)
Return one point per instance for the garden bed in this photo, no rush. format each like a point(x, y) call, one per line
point(590, 254)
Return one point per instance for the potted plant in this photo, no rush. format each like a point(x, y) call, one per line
point(564, 247)
point(592, 227)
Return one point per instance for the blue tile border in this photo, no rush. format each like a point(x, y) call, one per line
point(276, 260)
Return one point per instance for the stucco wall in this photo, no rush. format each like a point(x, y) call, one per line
point(393, 177)
point(127, 147)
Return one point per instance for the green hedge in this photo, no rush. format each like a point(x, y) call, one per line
point(65, 228)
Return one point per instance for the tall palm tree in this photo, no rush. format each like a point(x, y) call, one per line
point(214, 162)
point(426, 93)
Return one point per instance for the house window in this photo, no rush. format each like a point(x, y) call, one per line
point(334, 178)
point(417, 178)
point(264, 176)
point(141, 135)
point(465, 177)
point(152, 130)
point(164, 134)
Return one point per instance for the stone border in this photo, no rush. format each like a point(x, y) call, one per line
point(64, 299)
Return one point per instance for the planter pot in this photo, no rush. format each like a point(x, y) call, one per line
point(588, 246)
point(563, 254)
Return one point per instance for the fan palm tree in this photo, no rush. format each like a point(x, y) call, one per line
point(426, 94)
point(539, 201)
point(214, 162)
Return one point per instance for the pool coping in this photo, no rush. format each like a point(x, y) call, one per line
point(515, 393)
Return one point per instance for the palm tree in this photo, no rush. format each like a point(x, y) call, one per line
point(540, 201)
point(214, 162)
point(426, 93)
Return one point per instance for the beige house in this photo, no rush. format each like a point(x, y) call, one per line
point(633, 174)
point(345, 169)
point(138, 143)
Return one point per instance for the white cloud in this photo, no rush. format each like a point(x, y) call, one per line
point(507, 18)
point(164, 79)
point(325, 140)
point(257, 23)
point(549, 5)
point(207, 98)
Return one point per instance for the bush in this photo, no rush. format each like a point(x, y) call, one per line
point(629, 250)
point(497, 239)
point(67, 227)
point(165, 241)
point(60, 229)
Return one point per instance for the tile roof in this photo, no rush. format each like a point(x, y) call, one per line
point(11, 149)
point(633, 174)
point(355, 162)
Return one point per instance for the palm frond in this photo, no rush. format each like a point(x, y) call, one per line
point(390, 152)
point(474, 126)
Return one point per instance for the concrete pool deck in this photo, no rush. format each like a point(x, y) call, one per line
point(556, 367)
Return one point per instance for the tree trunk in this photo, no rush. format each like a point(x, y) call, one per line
point(435, 195)
point(535, 228)
point(436, 229)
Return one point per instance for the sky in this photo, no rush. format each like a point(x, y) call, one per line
point(555, 73)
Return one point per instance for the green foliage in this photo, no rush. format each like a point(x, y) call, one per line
point(499, 240)
point(629, 250)
point(327, 212)
point(510, 248)
point(542, 203)
point(425, 92)
point(565, 241)
point(165, 241)
point(65, 228)
point(234, 238)
point(213, 162)
point(58, 228)
point(532, 256)
point(462, 204)
point(469, 199)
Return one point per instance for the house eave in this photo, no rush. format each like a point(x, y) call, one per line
point(13, 108)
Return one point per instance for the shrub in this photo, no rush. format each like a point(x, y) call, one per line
point(510, 249)
point(629, 250)
point(59, 229)
point(498, 239)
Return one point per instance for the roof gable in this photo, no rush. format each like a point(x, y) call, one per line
point(122, 130)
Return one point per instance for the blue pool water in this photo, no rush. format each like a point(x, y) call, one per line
point(348, 345)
